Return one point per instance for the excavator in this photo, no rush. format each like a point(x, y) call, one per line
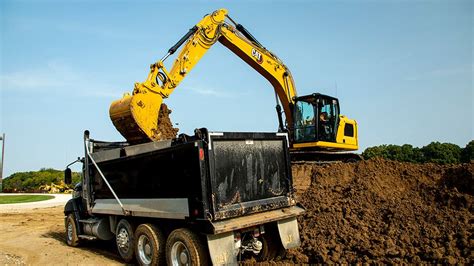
point(316, 129)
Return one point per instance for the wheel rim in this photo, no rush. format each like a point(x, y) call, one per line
point(180, 254)
point(69, 231)
point(122, 240)
point(145, 251)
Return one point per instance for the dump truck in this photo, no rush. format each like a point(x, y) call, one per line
point(212, 197)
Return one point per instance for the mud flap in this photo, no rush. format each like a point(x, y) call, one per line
point(221, 249)
point(289, 234)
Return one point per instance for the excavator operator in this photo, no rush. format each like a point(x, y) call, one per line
point(324, 129)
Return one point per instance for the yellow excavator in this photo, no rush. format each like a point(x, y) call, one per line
point(317, 130)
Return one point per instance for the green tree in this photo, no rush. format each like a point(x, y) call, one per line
point(376, 151)
point(467, 154)
point(442, 153)
point(28, 181)
point(417, 155)
point(436, 152)
point(404, 153)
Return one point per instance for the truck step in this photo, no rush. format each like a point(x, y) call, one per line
point(88, 237)
point(89, 221)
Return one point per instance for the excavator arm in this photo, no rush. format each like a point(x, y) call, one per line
point(136, 116)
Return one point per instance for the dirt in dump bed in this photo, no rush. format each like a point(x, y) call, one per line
point(386, 212)
point(165, 126)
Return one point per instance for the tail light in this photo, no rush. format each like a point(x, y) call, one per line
point(201, 154)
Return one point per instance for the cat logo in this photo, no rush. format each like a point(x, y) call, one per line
point(257, 56)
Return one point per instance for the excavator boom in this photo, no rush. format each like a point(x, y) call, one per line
point(136, 116)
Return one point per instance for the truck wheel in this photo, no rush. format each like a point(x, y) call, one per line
point(71, 231)
point(271, 247)
point(149, 245)
point(184, 247)
point(125, 239)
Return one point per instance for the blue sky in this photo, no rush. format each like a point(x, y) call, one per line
point(402, 69)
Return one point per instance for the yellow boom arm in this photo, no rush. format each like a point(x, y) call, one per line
point(136, 116)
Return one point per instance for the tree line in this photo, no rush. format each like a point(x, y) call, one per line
point(31, 181)
point(435, 152)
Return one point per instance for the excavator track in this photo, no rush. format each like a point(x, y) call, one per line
point(322, 157)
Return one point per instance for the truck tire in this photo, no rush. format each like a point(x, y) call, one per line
point(149, 245)
point(71, 231)
point(271, 247)
point(184, 247)
point(125, 239)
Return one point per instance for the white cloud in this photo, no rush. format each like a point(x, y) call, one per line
point(51, 75)
point(225, 92)
point(91, 28)
point(441, 72)
point(97, 31)
point(58, 78)
point(209, 92)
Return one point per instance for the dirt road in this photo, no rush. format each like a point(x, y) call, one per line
point(36, 237)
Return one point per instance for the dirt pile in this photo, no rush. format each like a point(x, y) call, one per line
point(165, 126)
point(379, 211)
point(384, 211)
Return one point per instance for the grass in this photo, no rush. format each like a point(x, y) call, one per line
point(7, 199)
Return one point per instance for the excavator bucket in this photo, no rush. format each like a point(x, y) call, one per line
point(136, 117)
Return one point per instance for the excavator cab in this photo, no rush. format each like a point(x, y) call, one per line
point(317, 118)
point(318, 124)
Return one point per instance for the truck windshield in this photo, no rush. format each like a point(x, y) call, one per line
point(305, 128)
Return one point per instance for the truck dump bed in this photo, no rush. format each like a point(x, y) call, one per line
point(212, 176)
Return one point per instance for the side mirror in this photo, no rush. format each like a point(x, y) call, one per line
point(67, 176)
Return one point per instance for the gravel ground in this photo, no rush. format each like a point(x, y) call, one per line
point(37, 237)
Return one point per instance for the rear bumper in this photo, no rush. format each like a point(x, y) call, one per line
point(255, 219)
point(251, 207)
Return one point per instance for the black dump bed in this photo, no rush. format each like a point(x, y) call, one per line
point(221, 175)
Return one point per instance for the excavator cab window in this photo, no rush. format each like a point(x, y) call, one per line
point(328, 113)
point(316, 118)
point(305, 127)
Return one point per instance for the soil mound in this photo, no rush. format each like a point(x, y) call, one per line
point(379, 211)
point(385, 212)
